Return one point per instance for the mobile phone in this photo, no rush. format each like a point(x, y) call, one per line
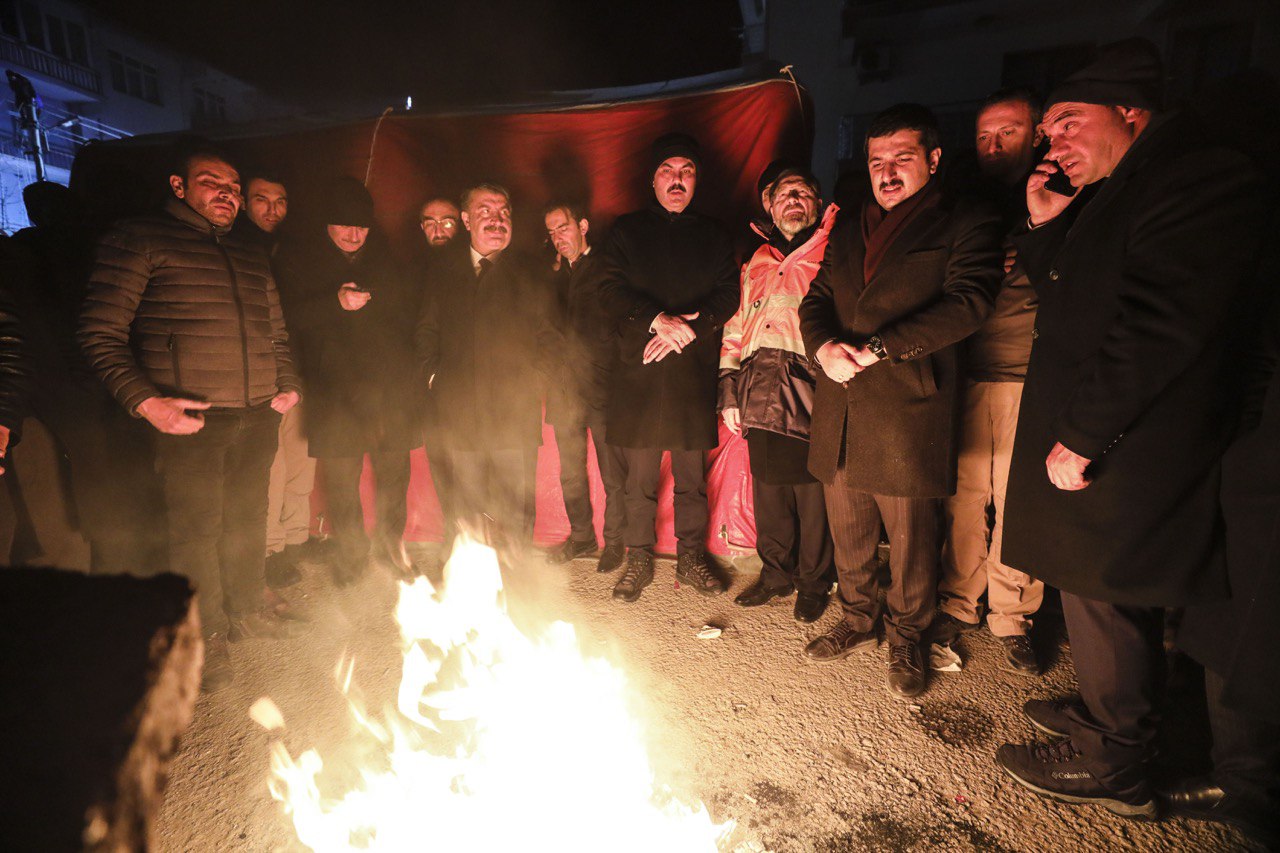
point(1059, 183)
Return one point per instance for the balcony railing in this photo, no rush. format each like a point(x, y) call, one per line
point(24, 56)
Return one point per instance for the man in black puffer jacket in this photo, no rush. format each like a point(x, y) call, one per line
point(183, 324)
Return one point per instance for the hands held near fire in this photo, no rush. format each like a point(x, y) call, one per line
point(841, 362)
point(1042, 204)
point(671, 333)
point(174, 415)
point(352, 298)
point(1066, 469)
point(732, 419)
point(285, 400)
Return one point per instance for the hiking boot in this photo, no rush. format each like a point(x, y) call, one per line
point(265, 624)
point(217, 672)
point(1019, 655)
point(906, 677)
point(570, 550)
point(1057, 769)
point(281, 570)
point(612, 557)
point(694, 570)
point(1050, 715)
point(840, 642)
point(638, 575)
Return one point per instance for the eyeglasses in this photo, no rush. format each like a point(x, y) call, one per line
point(447, 223)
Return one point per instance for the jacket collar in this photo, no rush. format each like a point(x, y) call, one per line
point(184, 213)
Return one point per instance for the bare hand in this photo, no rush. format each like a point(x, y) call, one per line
point(839, 361)
point(173, 415)
point(1010, 257)
point(285, 400)
point(657, 349)
point(732, 419)
point(864, 356)
point(1042, 204)
point(675, 329)
point(4, 446)
point(352, 298)
point(1066, 469)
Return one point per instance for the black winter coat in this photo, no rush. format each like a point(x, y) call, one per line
point(489, 344)
point(586, 361)
point(654, 262)
point(357, 366)
point(177, 306)
point(895, 423)
point(1132, 368)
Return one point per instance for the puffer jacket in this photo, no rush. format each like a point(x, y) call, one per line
point(178, 307)
point(764, 371)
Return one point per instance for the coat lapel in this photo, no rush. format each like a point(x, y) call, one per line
point(909, 239)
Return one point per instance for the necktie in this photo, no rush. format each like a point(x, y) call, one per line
point(482, 268)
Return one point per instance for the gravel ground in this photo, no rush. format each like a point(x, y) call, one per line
point(803, 757)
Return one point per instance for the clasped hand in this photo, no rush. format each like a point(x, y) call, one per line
point(671, 333)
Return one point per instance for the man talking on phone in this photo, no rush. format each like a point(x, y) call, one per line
point(1113, 487)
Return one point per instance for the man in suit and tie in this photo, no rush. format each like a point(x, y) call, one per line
point(908, 274)
point(484, 342)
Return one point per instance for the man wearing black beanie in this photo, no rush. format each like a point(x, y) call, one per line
point(1113, 487)
point(669, 281)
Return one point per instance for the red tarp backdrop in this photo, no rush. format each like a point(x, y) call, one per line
point(597, 154)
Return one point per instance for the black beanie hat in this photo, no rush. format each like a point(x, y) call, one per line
point(779, 169)
point(674, 145)
point(1125, 74)
point(347, 202)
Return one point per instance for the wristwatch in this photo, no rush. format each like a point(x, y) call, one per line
point(877, 347)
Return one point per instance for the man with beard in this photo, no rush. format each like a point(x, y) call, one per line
point(904, 280)
point(183, 324)
point(766, 392)
point(1114, 485)
point(484, 344)
point(995, 363)
point(669, 281)
point(352, 317)
point(438, 219)
point(577, 397)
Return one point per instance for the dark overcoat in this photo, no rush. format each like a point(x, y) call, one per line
point(1235, 637)
point(1131, 368)
point(585, 361)
point(895, 423)
point(357, 366)
point(653, 262)
point(489, 344)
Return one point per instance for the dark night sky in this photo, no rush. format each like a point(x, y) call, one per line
point(468, 51)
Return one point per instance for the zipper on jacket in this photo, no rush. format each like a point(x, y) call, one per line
point(235, 297)
point(177, 364)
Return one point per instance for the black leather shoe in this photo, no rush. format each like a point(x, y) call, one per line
point(570, 550)
point(694, 570)
point(1198, 798)
point(1057, 770)
point(611, 558)
point(281, 571)
point(1050, 715)
point(638, 575)
point(906, 677)
point(811, 605)
point(759, 593)
point(1019, 655)
point(217, 672)
point(840, 642)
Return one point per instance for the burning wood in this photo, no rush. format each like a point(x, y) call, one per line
point(500, 741)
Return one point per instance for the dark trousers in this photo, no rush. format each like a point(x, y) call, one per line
point(488, 482)
point(792, 537)
point(215, 489)
point(689, 470)
point(913, 525)
point(1118, 653)
point(575, 481)
point(346, 513)
point(1246, 757)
